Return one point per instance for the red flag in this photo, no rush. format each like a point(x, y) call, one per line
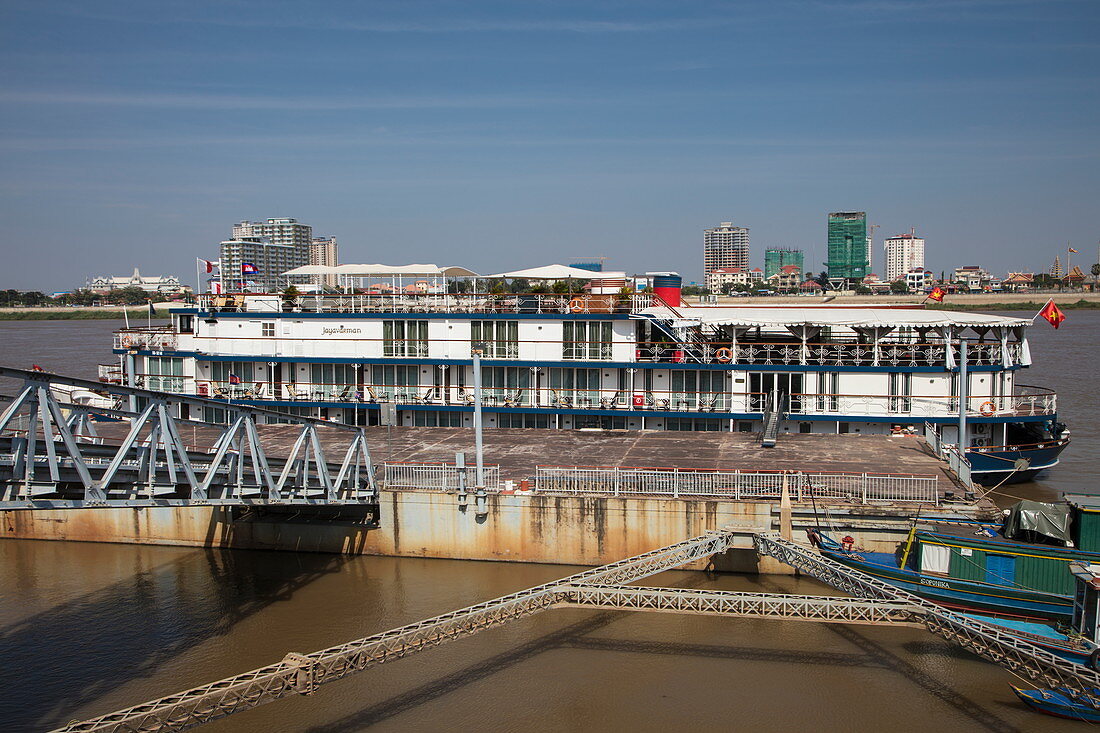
point(1052, 313)
point(937, 294)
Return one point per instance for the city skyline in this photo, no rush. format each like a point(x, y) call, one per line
point(494, 134)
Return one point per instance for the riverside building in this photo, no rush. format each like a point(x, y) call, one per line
point(904, 253)
point(848, 249)
point(775, 259)
point(725, 246)
point(612, 362)
point(272, 247)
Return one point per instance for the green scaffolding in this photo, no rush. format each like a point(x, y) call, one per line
point(848, 246)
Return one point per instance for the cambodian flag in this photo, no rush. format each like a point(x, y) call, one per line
point(247, 268)
point(234, 379)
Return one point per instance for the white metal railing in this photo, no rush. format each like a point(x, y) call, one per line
point(437, 303)
point(157, 338)
point(956, 461)
point(688, 483)
point(437, 476)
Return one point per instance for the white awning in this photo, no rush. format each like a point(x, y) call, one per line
point(836, 316)
point(384, 271)
point(555, 272)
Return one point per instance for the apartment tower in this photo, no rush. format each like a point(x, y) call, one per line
point(725, 246)
point(904, 253)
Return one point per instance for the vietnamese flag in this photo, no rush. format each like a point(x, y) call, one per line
point(937, 294)
point(1052, 313)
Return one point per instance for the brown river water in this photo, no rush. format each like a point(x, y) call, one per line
point(86, 629)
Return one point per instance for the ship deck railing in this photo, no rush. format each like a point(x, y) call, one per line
point(832, 353)
point(519, 303)
point(1025, 401)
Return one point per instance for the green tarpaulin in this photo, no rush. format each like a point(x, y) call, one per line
point(1030, 518)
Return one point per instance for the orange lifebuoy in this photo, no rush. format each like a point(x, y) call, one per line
point(988, 409)
point(576, 305)
point(724, 354)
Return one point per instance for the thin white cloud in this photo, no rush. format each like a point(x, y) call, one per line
point(280, 102)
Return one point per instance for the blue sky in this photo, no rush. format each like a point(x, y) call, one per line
point(513, 134)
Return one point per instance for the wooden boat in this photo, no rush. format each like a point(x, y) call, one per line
point(1085, 627)
point(979, 567)
point(1058, 702)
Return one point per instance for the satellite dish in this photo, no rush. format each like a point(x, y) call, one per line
point(1022, 464)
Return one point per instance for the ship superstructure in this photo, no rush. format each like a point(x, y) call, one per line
point(613, 362)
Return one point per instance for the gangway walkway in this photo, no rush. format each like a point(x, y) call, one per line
point(605, 588)
point(1011, 652)
point(52, 457)
point(303, 673)
point(773, 413)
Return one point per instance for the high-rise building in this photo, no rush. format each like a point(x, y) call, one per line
point(269, 260)
point(324, 251)
point(276, 231)
point(775, 259)
point(725, 246)
point(848, 262)
point(904, 252)
point(271, 247)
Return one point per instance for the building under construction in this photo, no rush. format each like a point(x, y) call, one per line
point(775, 259)
point(847, 263)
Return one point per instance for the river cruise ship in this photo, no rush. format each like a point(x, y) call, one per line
point(613, 362)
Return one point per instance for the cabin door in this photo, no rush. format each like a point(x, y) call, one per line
point(1000, 569)
point(789, 384)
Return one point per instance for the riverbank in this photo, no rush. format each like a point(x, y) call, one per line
point(82, 314)
point(954, 302)
point(1027, 305)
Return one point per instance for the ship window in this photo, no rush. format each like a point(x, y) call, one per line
point(230, 373)
point(334, 380)
point(164, 374)
point(437, 418)
point(589, 340)
point(405, 339)
point(267, 329)
point(935, 558)
point(574, 387)
point(697, 424)
point(901, 387)
point(498, 339)
point(393, 381)
point(522, 420)
point(506, 385)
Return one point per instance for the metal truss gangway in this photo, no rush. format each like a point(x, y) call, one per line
point(303, 673)
point(52, 455)
point(607, 588)
point(990, 642)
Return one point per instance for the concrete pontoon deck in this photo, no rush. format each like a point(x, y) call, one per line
point(519, 451)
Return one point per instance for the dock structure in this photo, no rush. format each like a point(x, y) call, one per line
point(606, 588)
point(53, 455)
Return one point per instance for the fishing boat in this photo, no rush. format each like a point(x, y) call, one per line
point(1058, 639)
point(1019, 569)
point(1058, 702)
point(1062, 702)
point(605, 357)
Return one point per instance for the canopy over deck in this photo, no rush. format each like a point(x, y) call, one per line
point(556, 272)
point(826, 316)
point(377, 270)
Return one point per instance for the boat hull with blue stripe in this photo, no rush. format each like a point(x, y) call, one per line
point(959, 594)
